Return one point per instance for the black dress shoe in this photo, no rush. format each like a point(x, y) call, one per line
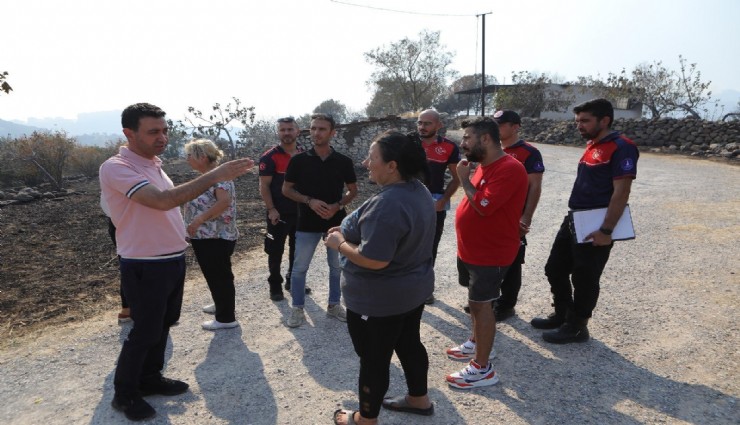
point(503, 313)
point(277, 296)
point(135, 408)
point(163, 386)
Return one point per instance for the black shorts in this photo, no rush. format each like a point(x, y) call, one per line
point(483, 282)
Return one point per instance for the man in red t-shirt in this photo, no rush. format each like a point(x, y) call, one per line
point(487, 225)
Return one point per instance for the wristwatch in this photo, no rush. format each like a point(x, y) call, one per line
point(606, 231)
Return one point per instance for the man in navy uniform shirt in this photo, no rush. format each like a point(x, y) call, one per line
point(509, 123)
point(604, 178)
point(442, 155)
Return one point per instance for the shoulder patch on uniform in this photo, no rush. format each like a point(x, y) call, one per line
point(627, 164)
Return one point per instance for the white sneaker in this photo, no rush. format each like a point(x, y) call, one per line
point(297, 317)
point(210, 309)
point(466, 351)
point(214, 325)
point(337, 311)
point(472, 376)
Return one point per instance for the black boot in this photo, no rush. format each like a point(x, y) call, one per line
point(573, 330)
point(553, 321)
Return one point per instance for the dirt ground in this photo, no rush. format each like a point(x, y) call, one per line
point(57, 262)
point(663, 345)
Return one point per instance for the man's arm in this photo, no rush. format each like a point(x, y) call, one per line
point(165, 200)
point(349, 195)
point(327, 211)
point(272, 213)
point(614, 211)
point(451, 188)
point(290, 193)
point(534, 191)
point(462, 169)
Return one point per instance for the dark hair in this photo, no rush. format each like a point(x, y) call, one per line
point(409, 155)
point(132, 114)
point(599, 108)
point(325, 117)
point(483, 125)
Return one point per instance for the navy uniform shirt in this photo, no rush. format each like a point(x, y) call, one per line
point(528, 155)
point(611, 158)
point(274, 162)
point(440, 154)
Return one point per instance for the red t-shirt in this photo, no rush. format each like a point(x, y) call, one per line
point(491, 237)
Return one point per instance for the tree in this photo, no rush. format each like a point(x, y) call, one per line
point(454, 103)
point(387, 100)
point(304, 121)
point(87, 160)
point(410, 74)
point(661, 91)
point(177, 135)
point(694, 94)
point(4, 86)
point(531, 94)
point(40, 154)
point(221, 120)
point(333, 108)
point(261, 133)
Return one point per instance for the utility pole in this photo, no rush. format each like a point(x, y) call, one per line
point(483, 66)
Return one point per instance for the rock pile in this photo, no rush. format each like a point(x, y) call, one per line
point(686, 136)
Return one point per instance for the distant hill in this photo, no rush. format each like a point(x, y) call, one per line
point(86, 123)
point(91, 128)
point(98, 139)
point(11, 129)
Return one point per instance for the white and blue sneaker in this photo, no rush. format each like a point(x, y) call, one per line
point(472, 376)
point(466, 351)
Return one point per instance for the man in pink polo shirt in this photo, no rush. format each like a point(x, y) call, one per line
point(150, 232)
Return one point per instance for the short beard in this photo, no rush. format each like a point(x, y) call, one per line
point(434, 134)
point(475, 154)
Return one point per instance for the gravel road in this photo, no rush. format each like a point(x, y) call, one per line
point(664, 345)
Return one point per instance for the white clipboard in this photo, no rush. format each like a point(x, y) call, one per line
point(587, 221)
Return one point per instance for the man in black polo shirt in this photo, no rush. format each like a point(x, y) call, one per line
point(316, 180)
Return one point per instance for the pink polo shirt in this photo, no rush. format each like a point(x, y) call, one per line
point(141, 232)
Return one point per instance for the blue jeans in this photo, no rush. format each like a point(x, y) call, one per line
point(305, 246)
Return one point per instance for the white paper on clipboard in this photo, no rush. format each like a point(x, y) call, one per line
point(587, 221)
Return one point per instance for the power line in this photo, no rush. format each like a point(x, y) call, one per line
point(397, 11)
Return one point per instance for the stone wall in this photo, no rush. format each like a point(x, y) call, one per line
point(686, 136)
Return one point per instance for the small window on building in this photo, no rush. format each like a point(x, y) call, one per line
point(622, 103)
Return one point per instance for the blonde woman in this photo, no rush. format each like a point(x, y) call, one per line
point(211, 225)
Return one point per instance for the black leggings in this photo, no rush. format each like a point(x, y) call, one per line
point(375, 339)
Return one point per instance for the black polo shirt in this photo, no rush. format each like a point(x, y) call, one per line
point(320, 179)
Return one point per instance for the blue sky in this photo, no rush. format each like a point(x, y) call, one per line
point(286, 56)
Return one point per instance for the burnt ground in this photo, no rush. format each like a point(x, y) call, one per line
point(57, 262)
